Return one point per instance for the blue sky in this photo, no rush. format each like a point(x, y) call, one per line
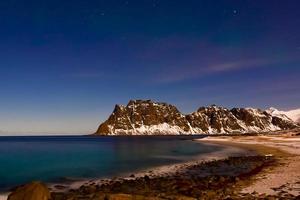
point(64, 64)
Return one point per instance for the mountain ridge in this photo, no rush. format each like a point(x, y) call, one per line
point(146, 117)
point(291, 114)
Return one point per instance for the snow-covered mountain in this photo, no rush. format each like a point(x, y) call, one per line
point(291, 114)
point(145, 117)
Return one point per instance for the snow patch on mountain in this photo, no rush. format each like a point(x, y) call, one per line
point(287, 115)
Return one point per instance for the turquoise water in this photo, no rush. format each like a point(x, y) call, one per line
point(53, 159)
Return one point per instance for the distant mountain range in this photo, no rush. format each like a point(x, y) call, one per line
point(145, 117)
point(292, 114)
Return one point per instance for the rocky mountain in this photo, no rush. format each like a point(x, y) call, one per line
point(145, 117)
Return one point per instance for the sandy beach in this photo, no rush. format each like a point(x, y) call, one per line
point(284, 177)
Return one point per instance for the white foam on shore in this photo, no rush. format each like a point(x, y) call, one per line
point(3, 196)
point(213, 139)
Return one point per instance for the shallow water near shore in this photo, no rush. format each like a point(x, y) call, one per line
point(60, 158)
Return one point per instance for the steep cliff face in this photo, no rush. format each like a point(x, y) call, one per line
point(214, 119)
point(145, 117)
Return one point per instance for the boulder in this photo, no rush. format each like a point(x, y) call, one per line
point(31, 191)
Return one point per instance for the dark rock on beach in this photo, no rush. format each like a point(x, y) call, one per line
point(219, 179)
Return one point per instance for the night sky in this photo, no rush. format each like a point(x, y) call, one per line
point(64, 64)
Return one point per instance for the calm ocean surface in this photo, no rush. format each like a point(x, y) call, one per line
point(54, 158)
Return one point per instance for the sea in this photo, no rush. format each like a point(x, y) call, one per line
point(62, 158)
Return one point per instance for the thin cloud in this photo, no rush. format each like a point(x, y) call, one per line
point(186, 73)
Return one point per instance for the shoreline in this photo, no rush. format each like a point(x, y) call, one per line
point(159, 171)
point(217, 179)
point(235, 153)
point(255, 162)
